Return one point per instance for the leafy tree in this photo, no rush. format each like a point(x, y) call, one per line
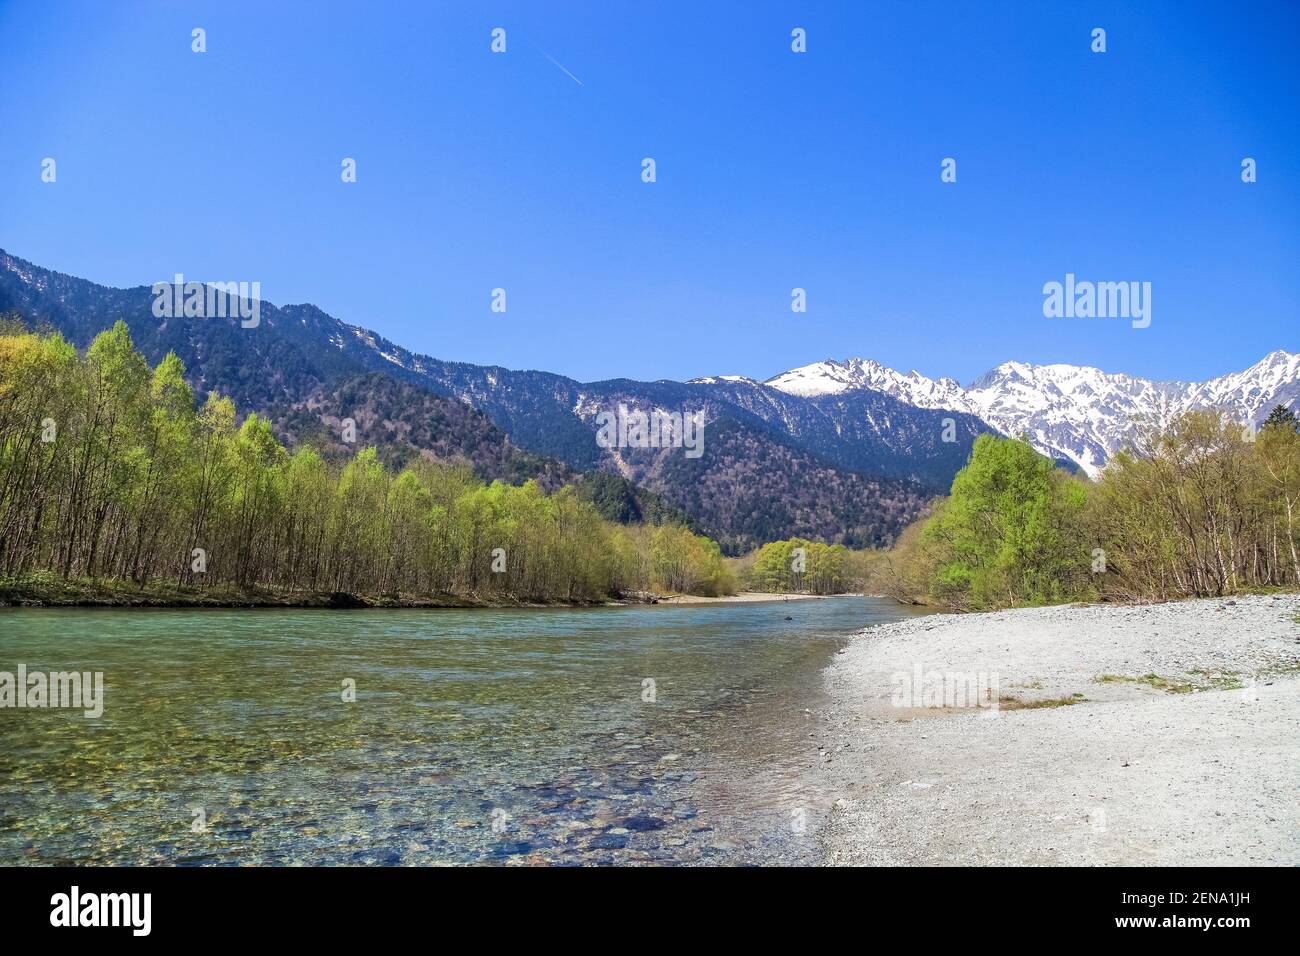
point(1194, 507)
point(1011, 529)
point(1282, 417)
point(1278, 446)
point(107, 470)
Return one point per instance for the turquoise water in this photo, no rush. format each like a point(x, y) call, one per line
point(477, 736)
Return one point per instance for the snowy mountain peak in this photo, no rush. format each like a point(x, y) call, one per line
point(821, 378)
point(831, 378)
point(715, 379)
point(1068, 411)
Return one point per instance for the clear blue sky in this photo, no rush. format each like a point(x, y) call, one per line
point(775, 170)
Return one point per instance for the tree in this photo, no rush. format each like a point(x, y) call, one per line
point(107, 470)
point(1279, 455)
point(1281, 417)
point(1011, 531)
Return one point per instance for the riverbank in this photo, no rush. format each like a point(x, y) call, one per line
point(1163, 734)
point(53, 592)
point(744, 597)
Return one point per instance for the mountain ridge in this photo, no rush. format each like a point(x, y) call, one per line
point(1078, 412)
point(298, 364)
point(858, 448)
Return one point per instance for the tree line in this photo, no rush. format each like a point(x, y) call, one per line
point(109, 470)
point(1202, 506)
point(801, 566)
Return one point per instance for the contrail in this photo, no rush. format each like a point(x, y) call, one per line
point(560, 65)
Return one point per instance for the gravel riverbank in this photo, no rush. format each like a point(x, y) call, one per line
point(1165, 734)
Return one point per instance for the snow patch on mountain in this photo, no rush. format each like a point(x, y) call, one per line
point(1067, 411)
point(832, 378)
point(715, 379)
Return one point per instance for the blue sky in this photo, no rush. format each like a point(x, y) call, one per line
point(775, 170)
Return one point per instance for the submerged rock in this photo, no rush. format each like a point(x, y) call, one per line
point(644, 823)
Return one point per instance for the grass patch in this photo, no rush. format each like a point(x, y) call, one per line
point(1015, 703)
point(1200, 680)
point(1151, 680)
point(1217, 680)
point(1280, 670)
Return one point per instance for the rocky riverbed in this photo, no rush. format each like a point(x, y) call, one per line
point(1165, 734)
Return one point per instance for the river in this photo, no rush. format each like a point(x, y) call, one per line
point(653, 734)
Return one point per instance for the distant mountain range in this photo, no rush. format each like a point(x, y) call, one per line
point(848, 452)
point(1068, 411)
point(306, 370)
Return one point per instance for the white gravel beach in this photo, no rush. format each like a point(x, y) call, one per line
point(1180, 744)
point(744, 597)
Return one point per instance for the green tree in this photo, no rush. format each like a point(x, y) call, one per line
point(1282, 417)
point(1011, 530)
point(1278, 445)
point(107, 469)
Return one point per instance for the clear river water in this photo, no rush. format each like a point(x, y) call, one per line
point(652, 734)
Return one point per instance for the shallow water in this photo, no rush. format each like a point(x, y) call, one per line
point(476, 736)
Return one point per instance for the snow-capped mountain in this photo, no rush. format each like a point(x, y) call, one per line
point(1068, 411)
point(833, 378)
point(840, 451)
point(784, 470)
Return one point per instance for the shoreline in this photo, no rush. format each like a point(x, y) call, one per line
point(745, 597)
point(1141, 735)
point(86, 595)
point(115, 594)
